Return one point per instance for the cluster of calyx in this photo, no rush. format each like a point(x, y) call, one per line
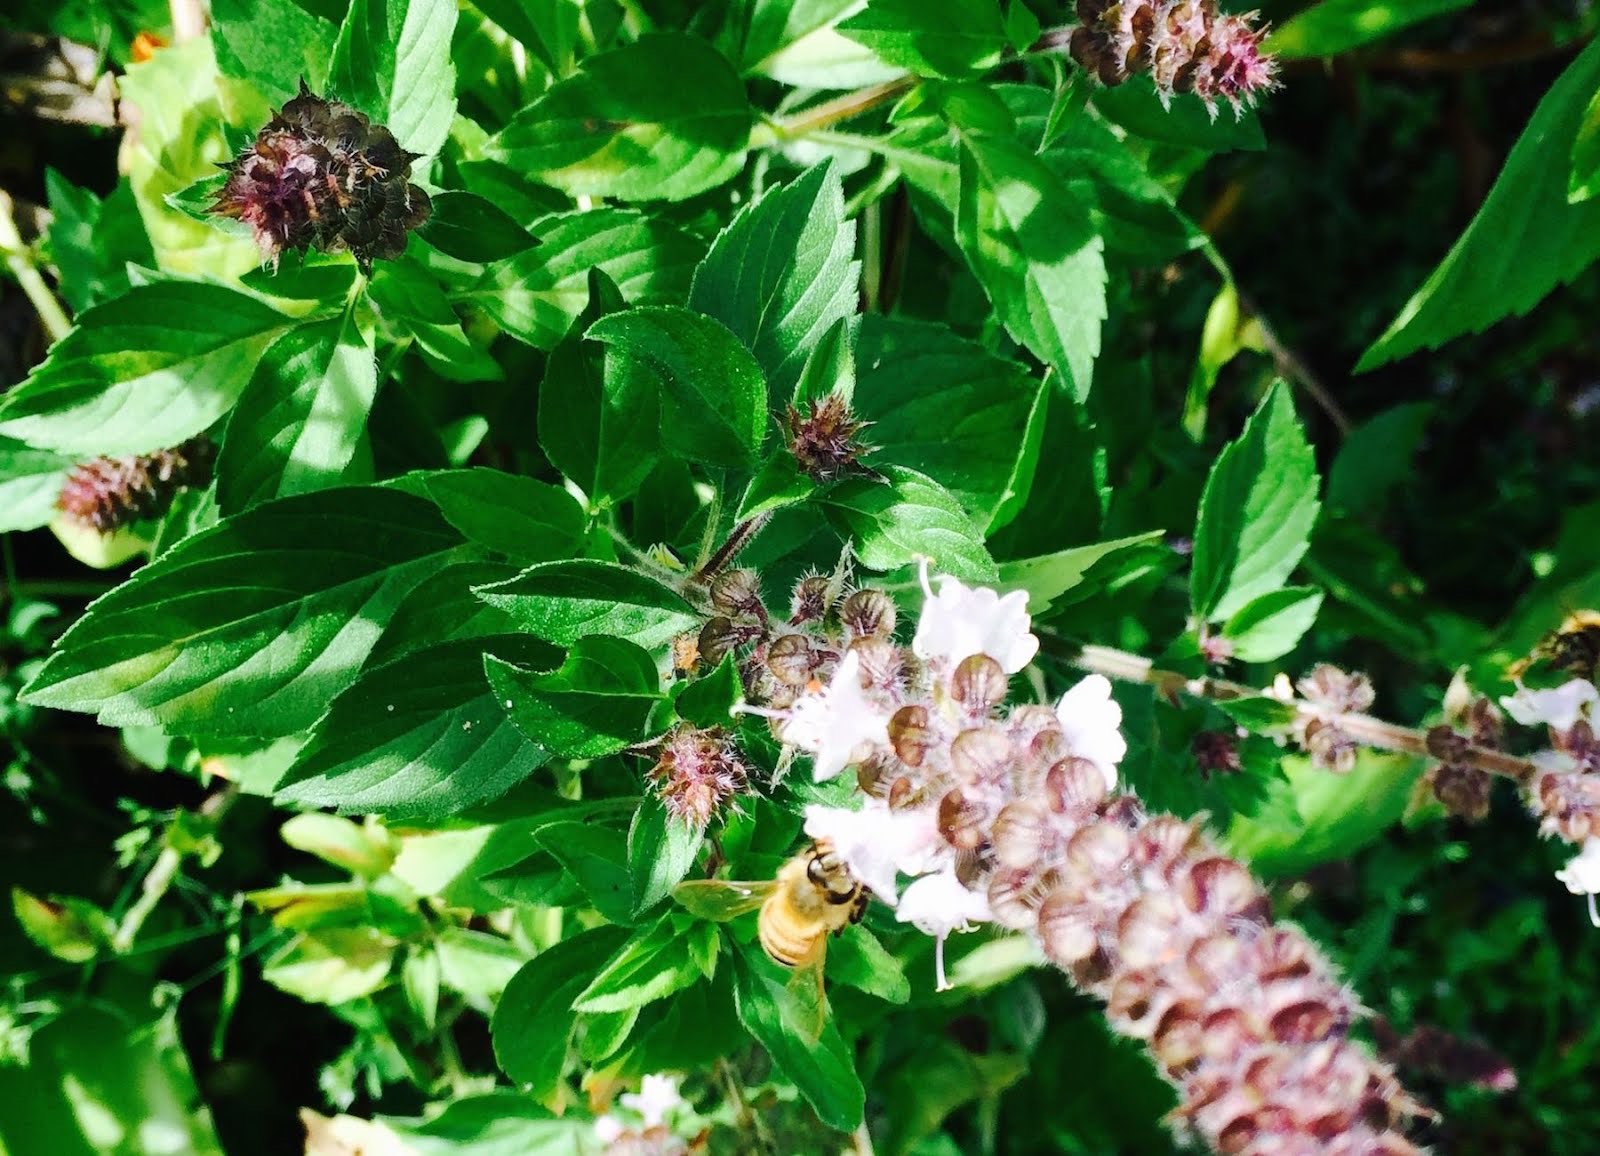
point(107, 494)
point(322, 176)
point(973, 810)
point(1185, 46)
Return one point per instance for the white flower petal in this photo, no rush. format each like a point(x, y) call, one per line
point(1092, 721)
point(1582, 873)
point(1560, 707)
point(939, 904)
point(608, 1129)
point(877, 844)
point(961, 621)
point(657, 1095)
point(836, 723)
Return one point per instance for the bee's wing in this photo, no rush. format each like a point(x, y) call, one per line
point(722, 899)
point(810, 997)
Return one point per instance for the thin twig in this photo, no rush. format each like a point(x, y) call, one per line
point(19, 259)
point(738, 538)
point(164, 871)
point(1363, 728)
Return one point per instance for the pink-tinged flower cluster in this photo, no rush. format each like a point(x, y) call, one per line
point(107, 494)
point(322, 176)
point(1185, 46)
point(1012, 815)
point(698, 773)
point(1565, 794)
point(643, 1129)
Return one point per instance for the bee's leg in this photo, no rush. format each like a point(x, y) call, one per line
point(860, 909)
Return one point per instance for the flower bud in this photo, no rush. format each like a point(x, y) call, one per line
point(822, 439)
point(1337, 690)
point(809, 603)
point(1221, 888)
point(882, 663)
point(1099, 850)
point(1148, 931)
point(1021, 833)
point(963, 821)
point(107, 494)
point(697, 773)
point(1014, 896)
point(1074, 786)
point(1066, 933)
point(1330, 748)
point(981, 755)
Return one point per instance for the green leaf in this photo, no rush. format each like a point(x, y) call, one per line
point(299, 421)
point(821, 1067)
point(1183, 120)
point(946, 404)
point(778, 483)
point(596, 704)
point(932, 37)
point(68, 928)
point(504, 1122)
point(596, 857)
point(271, 44)
point(1336, 26)
point(1032, 245)
point(534, 1021)
point(443, 608)
point(654, 963)
point(907, 516)
point(857, 958)
point(781, 274)
point(524, 519)
point(663, 118)
point(1525, 240)
point(1271, 625)
point(419, 978)
point(1256, 512)
point(30, 483)
point(1583, 182)
point(709, 700)
point(92, 241)
point(411, 304)
point(830, 367)
point(538, 294)
point(473, 228)
point(714, 401)
point(332, 965)
point(564, 601)
point(661, 850)
point(1376, 457)
point(143, 371)
point(421, 737)
point(1049, 577)
point(252, 626)
point(392, 61)
point(1324, 817)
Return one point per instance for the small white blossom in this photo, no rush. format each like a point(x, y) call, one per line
point(961, 621)
point(657, 1095)
point(1092, 721)
point(837, 724)
point(1582, 875)
point(1560, 708)
point(939, 904)
point(877, 843)
point(608, 1129)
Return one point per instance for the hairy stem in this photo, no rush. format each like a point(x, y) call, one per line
point(1365, 729)
point(831, 112)
point(20, 261)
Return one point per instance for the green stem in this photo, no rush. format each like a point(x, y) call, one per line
point(19, 259)
point(163, 872)
point(831, 112)
point(1363, 728)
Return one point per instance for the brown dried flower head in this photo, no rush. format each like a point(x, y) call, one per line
point(109, 493)
point(823, 438)
point(698, 772)
point(322, 176)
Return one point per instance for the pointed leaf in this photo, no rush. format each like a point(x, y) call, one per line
point(596, 704)
point(392, 61)
point(563, 601)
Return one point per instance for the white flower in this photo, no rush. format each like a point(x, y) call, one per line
point(1560, 708)
point(1582, 875)
point(1092, 721)
point(959, 622)
point(835, 723)
point(877, 843)
point(939, 904)
point(608, 1129)
point(657, 1095)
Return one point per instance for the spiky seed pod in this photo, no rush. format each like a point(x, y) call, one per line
point(978, 683)
point(1185, 46)
point(823, 438)
point(868, 614)
point(107, 494)
point(1216, 753)
point(322, 176)
point(737, 593)
point(809, 602)
point(697, 773)
point(1337, 690)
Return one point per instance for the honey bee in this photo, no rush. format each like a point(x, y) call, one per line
point(1572, 648)
point(813, 896)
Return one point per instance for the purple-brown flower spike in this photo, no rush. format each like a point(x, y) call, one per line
point(823, 438)
point(322, 176)
point(1185, 46)
point(697, 774)
point(107, 494)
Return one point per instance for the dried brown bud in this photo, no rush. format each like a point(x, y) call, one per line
point(1216, 753)
point(791, 659)
point(980, 755)
point(809, 602)
point(1022, 833)
point(1464, 791)
point(963, 821)
point(1330, 747)
point(322, 176)
point(717, 637)
point(979, 683)
point(1074, 786)
point(736, 593)
point(868, 614)
point(910, 735)
point(1328, 686)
